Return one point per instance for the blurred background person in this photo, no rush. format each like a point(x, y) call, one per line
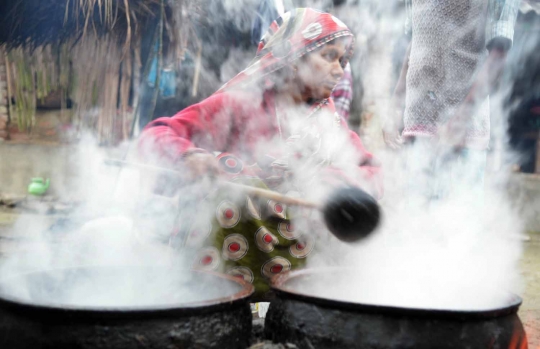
point(455, 59)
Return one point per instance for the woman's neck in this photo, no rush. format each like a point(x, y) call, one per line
point(292, 95)
point(286, 100)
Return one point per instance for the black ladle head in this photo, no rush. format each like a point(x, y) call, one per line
point(351, 214)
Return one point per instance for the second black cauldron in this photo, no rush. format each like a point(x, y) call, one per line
point(312, 321)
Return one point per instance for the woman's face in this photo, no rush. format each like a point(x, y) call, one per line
point(320, 70)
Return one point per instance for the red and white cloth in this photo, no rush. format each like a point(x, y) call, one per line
point(343, 93)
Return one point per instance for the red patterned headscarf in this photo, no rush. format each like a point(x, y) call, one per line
point(290, 37)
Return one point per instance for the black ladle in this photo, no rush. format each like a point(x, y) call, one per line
point(351, 214)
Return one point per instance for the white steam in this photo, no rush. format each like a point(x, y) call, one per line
point(459, 252)
point(111, 251)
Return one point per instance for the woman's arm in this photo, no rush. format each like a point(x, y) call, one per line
point(205, 126)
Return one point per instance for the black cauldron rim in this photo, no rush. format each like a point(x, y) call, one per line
point(281, 291)
point(53, 310)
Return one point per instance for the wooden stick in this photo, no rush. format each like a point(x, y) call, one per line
point(272, 195)
point(265, 193)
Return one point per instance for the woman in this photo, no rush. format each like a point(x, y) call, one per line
point(275, 127)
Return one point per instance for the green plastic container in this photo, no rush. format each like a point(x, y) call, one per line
point(38, 186)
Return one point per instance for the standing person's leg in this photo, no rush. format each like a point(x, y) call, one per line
point(471, 172)
point(460, 175)
point(444, 172)
point(420, 166)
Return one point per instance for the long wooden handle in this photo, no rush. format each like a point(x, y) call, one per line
point(272, 195)
point(265, 193)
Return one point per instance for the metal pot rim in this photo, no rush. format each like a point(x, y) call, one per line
point(215, 304)
point(278, 285)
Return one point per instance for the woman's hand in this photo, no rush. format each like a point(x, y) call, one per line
point(201, 164)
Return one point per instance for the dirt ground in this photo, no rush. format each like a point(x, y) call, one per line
point(530, 310)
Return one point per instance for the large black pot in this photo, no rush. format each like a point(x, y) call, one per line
point(315, 322)
point(40, 309)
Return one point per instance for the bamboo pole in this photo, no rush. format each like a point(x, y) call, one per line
point(110, 98)
point(8, 82)
point(537, 165)
point(16, 91)
point(137, 66)
point(160, 59)
point(105, 91)
point(33, 101)
point(115, 81)
point(128, 35)
point(125, 84)
point(195, 86)
point(148, 64)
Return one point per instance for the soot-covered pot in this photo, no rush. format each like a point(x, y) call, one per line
point(124, 308)
point(311, 321)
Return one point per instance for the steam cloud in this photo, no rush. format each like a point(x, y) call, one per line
point(455, 253)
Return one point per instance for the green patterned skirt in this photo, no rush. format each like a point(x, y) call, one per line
point(244, 236)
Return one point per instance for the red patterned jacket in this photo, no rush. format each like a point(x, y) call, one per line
point(237, 122)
